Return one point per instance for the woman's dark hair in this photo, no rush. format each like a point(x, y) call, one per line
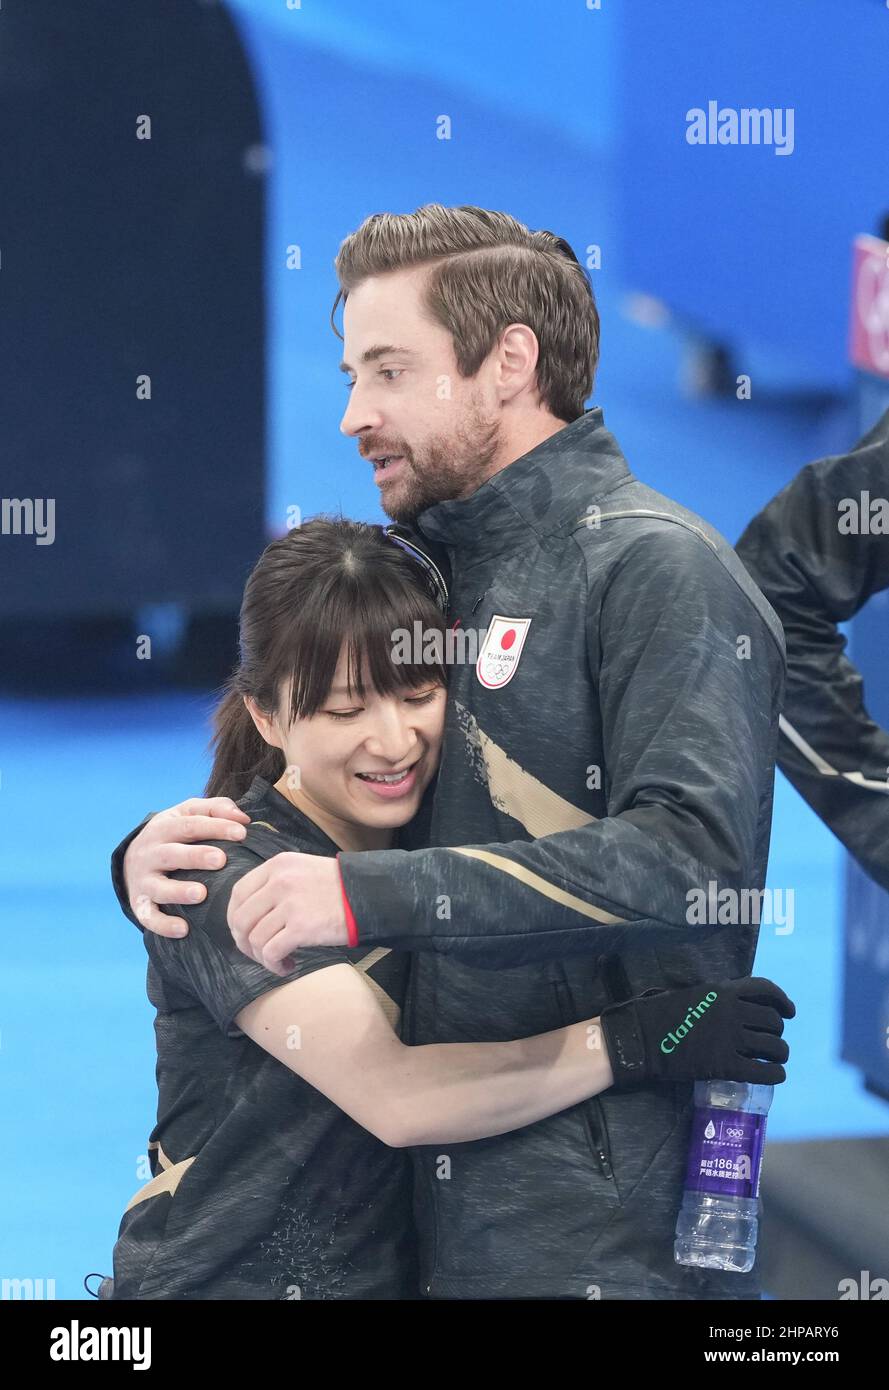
point(326, 582)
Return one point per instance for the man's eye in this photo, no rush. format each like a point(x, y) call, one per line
point(390, 373)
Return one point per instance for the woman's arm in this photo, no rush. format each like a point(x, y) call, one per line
point(329, 1029)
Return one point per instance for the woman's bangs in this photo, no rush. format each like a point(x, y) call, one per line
point(309, 658)
point(384, 627)
point(388, 634)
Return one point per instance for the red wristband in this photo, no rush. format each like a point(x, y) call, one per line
point(351, 924)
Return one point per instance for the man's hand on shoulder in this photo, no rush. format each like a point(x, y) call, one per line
point(167, 843)
point(288, 901)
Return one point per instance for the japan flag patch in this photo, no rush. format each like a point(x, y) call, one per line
point(499, 656)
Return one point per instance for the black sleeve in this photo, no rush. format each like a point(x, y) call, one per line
point(818, 551)
point(207, 963)
point(117, 878)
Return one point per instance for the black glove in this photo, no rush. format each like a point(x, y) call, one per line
point(700, 1032)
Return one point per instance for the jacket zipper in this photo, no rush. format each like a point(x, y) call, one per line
point(593, 1114)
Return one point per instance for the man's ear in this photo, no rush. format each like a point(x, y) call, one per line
point(264, 723)
point(518, 353)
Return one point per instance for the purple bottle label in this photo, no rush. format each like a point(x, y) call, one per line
point(726, 1152)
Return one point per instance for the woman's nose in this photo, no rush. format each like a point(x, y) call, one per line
point(394, 739)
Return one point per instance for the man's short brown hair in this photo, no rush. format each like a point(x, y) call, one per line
point(487, 270)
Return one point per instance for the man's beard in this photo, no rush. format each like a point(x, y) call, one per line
point(444, 467)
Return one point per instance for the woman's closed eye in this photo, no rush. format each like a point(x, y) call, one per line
point(410, 700)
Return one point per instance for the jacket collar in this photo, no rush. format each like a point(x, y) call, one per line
point(545, 491)
point(272, 815)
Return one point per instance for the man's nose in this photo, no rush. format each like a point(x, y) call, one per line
point(360, 414)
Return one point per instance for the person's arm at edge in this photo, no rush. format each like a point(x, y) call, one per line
point(817, 570)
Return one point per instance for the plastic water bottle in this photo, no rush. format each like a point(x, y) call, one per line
point(717, 1225)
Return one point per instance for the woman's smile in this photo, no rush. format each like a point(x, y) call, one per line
point(390, 790)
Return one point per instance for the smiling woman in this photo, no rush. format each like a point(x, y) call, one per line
point(286, 1094)
point(316, 653)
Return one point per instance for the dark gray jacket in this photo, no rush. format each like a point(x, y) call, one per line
point(626, 763)
point(818, 554)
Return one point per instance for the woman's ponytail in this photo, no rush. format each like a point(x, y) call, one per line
point(240, 753)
